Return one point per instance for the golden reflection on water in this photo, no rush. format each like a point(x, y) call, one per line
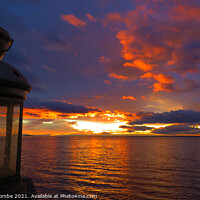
point(114, 167)
point(98, 164)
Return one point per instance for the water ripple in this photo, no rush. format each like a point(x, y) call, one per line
point(114, 167)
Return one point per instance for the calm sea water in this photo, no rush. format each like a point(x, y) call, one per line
point(114, 167)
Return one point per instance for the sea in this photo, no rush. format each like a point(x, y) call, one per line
point(113, 167)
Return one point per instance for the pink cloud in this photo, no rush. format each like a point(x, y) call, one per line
point(71, 19)
point(103, 59)
point(107, 82)
point(90, 17)
point(114, 75)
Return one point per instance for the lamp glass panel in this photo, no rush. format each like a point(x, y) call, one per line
point(9, 127)
point(3, 111)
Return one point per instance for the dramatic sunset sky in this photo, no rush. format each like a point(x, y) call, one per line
point(107, 66)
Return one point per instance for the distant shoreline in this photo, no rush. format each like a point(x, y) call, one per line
point(109, 136)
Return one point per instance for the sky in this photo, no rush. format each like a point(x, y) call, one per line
point(107, 67)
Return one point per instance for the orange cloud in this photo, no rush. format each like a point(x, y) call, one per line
point(162, 78)
point(157, 45)
point(163, 87)
point(129, 97)
point(143, 98)
point(107, 82)
point(114, 75)
point(71, 19)
point(46, 114)
point(164, 82)
point(42, 114)
point(90, 17)
point(126, 39)
point(139, 64)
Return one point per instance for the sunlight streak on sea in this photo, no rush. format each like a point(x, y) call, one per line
point(114, 167)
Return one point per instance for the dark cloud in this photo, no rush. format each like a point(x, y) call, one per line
point(106, 133)
point(55, 38)
point(86, 98)
point(182, 129)
point(136, 128)
point(56, 42)
point(59, 107)
point(33, 114)
point(179, 116)
point(72, 123)
point(191, 85)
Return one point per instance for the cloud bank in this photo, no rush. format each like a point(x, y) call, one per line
point(160, 40)
point(179, 116)
point(182, 129)
point(59, 107)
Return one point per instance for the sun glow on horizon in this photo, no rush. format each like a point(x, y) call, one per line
point(99, 127)
point(156, 125)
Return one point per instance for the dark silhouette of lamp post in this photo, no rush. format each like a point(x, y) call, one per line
point(13, 91)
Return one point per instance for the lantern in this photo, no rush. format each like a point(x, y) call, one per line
point(13, 91)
